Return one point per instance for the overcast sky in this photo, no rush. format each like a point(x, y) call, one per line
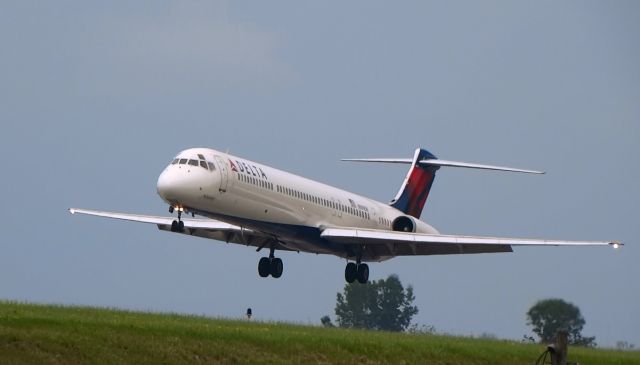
point(96, 98)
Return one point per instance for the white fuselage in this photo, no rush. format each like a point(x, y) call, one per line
point(289, 207)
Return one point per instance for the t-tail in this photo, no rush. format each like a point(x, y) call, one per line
point(415, 188)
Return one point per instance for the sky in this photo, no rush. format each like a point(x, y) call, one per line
point(96, 98)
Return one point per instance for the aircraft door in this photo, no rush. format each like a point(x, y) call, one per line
point(336, 209)
point(224, 173)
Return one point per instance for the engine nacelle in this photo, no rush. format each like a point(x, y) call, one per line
point(404, 223)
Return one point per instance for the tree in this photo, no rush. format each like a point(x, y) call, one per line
point(624, 346)
point(549, 316)
point(381, 305)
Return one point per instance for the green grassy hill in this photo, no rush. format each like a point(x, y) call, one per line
point(39, 334)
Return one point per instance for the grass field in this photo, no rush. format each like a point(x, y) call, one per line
point(40, 334)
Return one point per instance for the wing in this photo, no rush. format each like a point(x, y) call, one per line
point(392, 243)
point(206, 228)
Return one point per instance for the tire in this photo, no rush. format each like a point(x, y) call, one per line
point(350, 272)
point(276, 267)
point(363, 273)
point(181, 226)
point(174, 226)
point(264, 267)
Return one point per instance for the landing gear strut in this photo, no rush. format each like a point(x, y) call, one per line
point(270, 266)
point(356, 271)
point(177, 226)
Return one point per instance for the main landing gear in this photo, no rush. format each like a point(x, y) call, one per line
point(177, 226)
point(356, 271)
point(270, 266)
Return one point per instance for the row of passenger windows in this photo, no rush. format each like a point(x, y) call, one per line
point(254, 181)
point(304, 196)
point(204, 164)
point(384, 221)
point(321, 201)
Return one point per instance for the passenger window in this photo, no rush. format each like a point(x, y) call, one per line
point(212, 167)
point(193, 162)
point(203, 164)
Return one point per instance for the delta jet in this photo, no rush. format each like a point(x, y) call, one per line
point(248, 203)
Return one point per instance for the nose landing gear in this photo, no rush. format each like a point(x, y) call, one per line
point(177, 226)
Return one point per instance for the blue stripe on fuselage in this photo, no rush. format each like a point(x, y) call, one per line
point(304, 238)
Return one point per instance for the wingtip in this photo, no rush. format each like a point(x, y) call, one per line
point(616, 244)
point(72, 210)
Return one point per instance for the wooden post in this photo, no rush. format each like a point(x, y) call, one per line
point(559, 355)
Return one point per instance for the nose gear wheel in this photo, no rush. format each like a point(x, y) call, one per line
point(177, 226)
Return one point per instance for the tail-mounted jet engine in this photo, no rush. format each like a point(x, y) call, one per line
point(404, 223)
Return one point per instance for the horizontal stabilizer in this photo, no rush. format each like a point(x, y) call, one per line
point(384, 160)
point(438, 162)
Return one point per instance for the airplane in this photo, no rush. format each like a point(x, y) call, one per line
point(249, 203)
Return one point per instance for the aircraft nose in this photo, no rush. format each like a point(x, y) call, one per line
point(167, 185)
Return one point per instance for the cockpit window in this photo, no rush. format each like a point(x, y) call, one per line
point(212, 167)
point(201, 156)
point(175, 161)
point(193, 162)
point(183, 161)
point(203, 164)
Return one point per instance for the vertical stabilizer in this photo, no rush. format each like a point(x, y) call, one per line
point(415, 189)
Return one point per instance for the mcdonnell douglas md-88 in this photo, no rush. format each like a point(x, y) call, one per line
point(251, 204)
